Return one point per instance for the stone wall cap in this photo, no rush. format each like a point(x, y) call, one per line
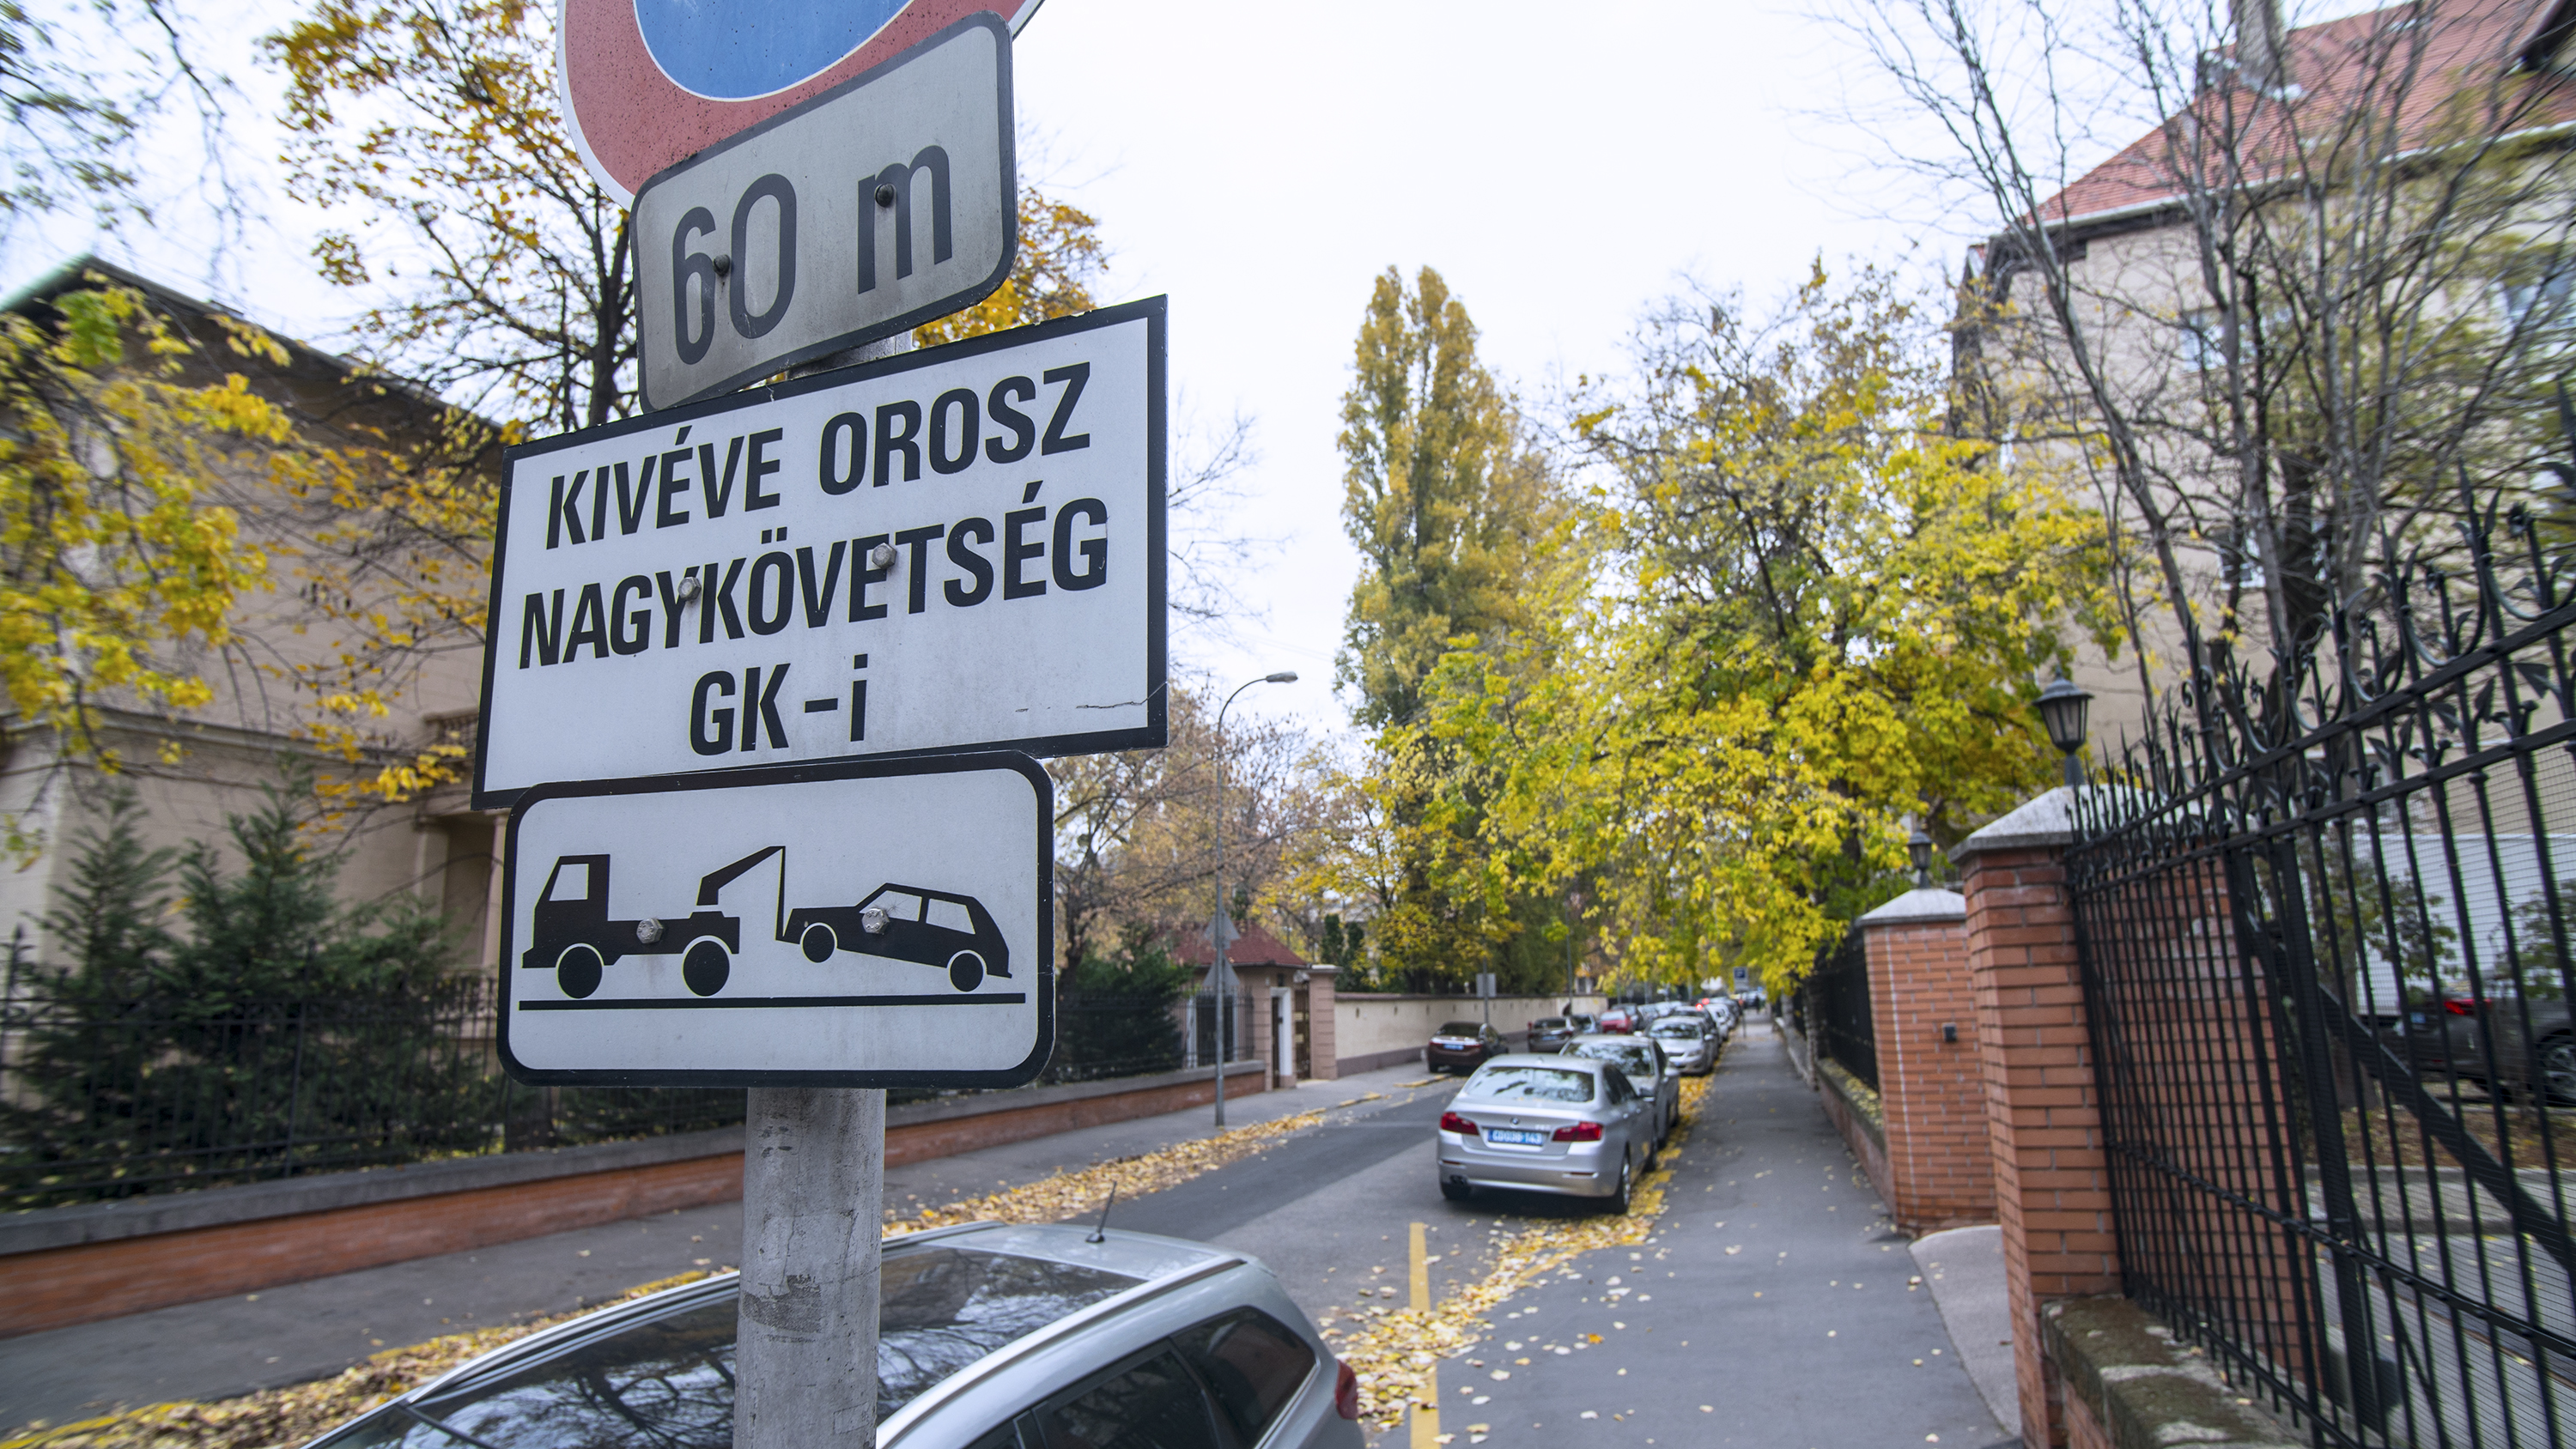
point(2048, 819)
point(1922, 904)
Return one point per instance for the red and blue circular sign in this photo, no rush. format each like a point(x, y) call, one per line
point(649, 83)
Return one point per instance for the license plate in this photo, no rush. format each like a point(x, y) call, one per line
point(1517, 1139)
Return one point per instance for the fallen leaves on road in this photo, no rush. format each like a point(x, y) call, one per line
point(1382, 1353)
point(1071, 1194)
point(292, 1415)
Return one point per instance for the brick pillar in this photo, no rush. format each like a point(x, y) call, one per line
point(1931, 1080)
point(2051, 1180)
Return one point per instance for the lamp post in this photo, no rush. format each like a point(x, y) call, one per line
point(1920, 848)
point(1218, 996)
point(2062, 708)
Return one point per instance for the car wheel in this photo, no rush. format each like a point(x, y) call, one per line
point(1627, 1188)
point(965, 970)
point(578, 970)
point(819, 943)
point(2558, 1069)
point(705, 968)
point(1456, 1191)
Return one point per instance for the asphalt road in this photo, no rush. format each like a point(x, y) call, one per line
point(1807, 1333)
point(1774, 1306)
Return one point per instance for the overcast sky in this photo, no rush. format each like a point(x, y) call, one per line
point(1562, 166)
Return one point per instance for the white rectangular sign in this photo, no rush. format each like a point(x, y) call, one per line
point(955, 549)
point(883, 203)
point(861, 924)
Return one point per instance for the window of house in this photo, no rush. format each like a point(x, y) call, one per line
point(2204, 339)
point(2535, 295)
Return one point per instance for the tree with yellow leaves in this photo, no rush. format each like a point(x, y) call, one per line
point(1456, 513)
point(120, 558)
point(1815, 616)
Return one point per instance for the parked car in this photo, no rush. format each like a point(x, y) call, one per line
point(1617, 1021)
point(989, 1337)
point(1647, 1069)
point(1689, 1040)
point(1463, 1046)
point(1584, 1023)
point(1574, 1126)
point(2450, 1036)
point(1551, 1032)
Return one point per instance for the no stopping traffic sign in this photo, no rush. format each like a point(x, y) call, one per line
point(647, 84)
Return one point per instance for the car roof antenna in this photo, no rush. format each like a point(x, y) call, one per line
point(1100, 1233)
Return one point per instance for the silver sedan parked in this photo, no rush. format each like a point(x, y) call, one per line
point(989, 1337)
point(1648, 1069)
point(1689, 1041)
point(1547, 1124)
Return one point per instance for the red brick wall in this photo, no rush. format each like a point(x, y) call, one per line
point(58, 1287)
point(63, 1286)
point(2052, 1190)
point(1940, 1166)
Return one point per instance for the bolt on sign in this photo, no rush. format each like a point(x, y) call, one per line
point(888, 201)
point(851, 924)
point(957, 549)
point(647, 84)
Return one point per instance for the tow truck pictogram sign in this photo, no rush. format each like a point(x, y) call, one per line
point(667, 929)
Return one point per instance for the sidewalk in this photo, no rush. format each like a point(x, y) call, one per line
point(308, 1330)
point(1775, 1306)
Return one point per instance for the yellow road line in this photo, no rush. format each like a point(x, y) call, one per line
point(1426, 1403)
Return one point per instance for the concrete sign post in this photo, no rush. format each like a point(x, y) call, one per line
point(888, 201)
point(954, 549)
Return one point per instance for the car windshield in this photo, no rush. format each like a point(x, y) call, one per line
point(667, 1383)
point(1675, 1026)
point(1460, 1028)
point(1548, 1023)
point(1636, 1061)
point(1530, 1084)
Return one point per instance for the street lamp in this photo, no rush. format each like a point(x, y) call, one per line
point(1218, 995)
point(1920, 848)
point(2061, 710)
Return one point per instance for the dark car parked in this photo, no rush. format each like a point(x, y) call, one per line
point(908, 923)
point(1550, 1032)
point(1463, 1046)
point(2488, 1041)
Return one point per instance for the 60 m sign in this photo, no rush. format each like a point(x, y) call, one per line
point(882, 204)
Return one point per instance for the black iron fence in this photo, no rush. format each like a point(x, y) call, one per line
point(106, 1098)
point(1832, 1008)
point(2324, 941)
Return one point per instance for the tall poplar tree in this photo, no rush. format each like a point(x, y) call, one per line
point(1457, 515)
point(1442, 495)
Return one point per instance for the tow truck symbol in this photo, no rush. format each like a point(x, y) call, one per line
point(573, 936)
